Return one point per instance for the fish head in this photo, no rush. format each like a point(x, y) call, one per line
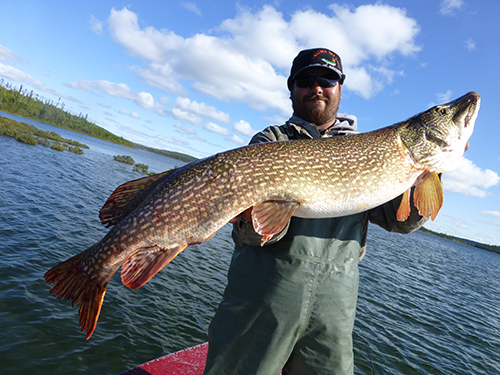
point(437, 138)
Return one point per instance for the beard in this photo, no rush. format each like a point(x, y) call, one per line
point(316, 113)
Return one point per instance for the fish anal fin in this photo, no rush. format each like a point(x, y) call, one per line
point(270, 217)
point(428, 195)
point(144, 263)
point(127, 197)
point(404, 207)
point(71, 282)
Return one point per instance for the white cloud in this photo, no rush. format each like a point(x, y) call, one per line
point(129, 113)
point(118, 90)
point(247, 58)
point(149, 44)
point(264, 34)
point(378, 30)
point(442, 97)
point(244, 127)
point(144, 100)
point(469, 179)
point(211, 127)
point(184, 130)
point(186, 116)
point(95, 25)
point(160, 75)
point(448, 7)
point(495, 214)
point(192, 7)
point(201, 109)
point(7, 55)
point(20, 76)
point(470, 45)
point(235, 139)
point(214, 128)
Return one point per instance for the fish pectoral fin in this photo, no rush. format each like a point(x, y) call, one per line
point(144, 263)
point(270, 217)
point(428, 195)
point(404, 207)
point(127, 197)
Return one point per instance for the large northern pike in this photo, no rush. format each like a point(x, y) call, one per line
point(157, 217)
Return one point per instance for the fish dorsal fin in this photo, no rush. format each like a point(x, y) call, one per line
point(127, 197)
point(428, 195)
point(146, 262)
point(270, 217)
point(404, 207)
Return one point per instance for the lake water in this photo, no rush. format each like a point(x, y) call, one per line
point(427, 305)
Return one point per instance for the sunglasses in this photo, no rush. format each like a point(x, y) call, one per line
point(323, 82)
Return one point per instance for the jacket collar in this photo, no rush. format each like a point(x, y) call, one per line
point(344, 125)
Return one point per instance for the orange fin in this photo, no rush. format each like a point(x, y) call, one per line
point(270, 217)
point(428, 195)
point(128, 196)
point(71, 282)
point(146, 262)
point(404, 207)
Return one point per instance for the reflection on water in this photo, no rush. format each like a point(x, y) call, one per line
point(426, 305)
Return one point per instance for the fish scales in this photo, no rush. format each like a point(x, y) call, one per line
point(157, 217)
point(334, 175)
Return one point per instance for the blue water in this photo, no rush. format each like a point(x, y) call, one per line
point(426, 306)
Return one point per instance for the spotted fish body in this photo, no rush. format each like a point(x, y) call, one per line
point(157, 217)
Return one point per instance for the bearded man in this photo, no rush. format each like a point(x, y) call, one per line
point(290, 305)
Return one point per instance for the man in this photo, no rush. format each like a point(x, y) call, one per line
point(290, 305)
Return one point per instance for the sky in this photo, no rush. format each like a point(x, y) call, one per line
point(203, 77)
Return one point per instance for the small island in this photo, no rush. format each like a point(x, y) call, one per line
point(124, 159)
point(31, 135)
point(138, 167)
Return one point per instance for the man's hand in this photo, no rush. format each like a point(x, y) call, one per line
point(246, 215)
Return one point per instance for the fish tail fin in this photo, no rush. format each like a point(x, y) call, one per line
point(71, 282)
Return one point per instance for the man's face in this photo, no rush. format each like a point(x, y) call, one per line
point(316, 104)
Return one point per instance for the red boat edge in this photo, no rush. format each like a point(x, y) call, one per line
point(190, 361)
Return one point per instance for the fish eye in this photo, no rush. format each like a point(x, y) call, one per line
point(441, 110)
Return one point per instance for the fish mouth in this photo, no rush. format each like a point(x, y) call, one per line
point(467, 108)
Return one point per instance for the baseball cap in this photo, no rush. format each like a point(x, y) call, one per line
point(315, 57)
